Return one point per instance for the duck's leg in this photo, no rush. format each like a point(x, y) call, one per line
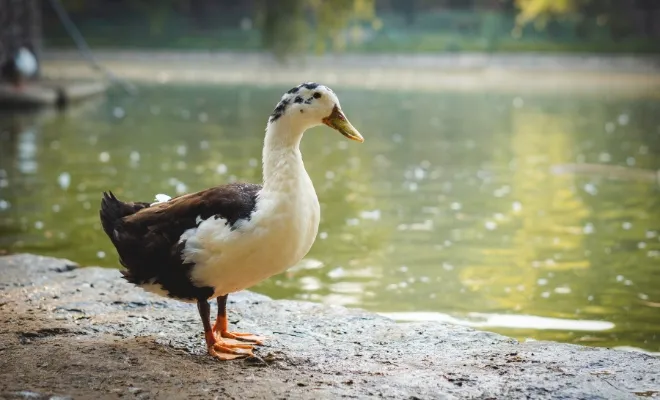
point(221, 326)
point(217, 347)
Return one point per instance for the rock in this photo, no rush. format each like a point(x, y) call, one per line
point(81, 332)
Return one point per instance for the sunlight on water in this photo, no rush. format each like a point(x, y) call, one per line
point(485, 321)
point(537, 216)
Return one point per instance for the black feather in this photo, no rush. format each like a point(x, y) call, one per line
point(147, 238)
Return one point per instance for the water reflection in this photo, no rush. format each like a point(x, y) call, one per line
point(515, 213)
point(509, 321)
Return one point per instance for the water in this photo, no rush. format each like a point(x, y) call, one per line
point(537, 216)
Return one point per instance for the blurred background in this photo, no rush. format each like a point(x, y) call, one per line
point(509, 181)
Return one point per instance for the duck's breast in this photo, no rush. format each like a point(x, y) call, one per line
point(277, 235)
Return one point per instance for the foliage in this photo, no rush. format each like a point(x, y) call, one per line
point(616, 15)
point(157, 12)
point(541, 11)
point(290, 26)
point(283, 26)
point(286, 27)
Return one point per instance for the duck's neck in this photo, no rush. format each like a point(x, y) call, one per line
point(283, 167)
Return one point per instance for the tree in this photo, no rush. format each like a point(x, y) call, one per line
point(290, 26)
point(617, 15)
point(541, 11)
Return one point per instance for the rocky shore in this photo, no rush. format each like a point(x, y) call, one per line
point(69, 332)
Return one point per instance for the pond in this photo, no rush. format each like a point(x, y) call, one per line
point(533, 215)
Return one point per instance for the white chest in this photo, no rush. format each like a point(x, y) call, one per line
point(278, 235)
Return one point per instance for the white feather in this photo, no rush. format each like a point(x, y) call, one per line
point(161, 198)
point(278, 234)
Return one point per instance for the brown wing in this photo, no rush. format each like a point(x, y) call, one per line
point(148, 239)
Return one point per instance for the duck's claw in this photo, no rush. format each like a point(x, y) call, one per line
point(225, 353)
point(242, 336)
point(226, 349)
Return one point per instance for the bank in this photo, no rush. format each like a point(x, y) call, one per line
point(84, 333)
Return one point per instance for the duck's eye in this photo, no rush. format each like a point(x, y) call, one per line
point(317, 95)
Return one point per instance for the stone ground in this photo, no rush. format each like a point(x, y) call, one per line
point(84, 333)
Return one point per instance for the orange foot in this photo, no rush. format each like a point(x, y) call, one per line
point(241, 336)
point(220, 329)
point(226, 350)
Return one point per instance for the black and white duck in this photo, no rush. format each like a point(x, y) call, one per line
point(19, 68)
point(205, 245)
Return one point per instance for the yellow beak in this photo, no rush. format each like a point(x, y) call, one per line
point(337, 120)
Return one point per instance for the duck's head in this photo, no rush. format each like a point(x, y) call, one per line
point(311, 104)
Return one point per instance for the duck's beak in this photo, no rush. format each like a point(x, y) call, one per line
point(337, 120)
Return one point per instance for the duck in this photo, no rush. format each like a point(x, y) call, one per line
point(205, 245)
point(22, 66)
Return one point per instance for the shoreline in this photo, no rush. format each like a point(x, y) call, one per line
point(78, 332)
point(461, 72)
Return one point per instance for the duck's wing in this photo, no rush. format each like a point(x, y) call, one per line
point(232, 202)
point(149, 240)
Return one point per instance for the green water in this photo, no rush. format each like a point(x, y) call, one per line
point(458, 206)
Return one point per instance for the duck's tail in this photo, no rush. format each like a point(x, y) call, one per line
point(112, 213)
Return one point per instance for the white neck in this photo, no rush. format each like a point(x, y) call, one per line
point(282, 161)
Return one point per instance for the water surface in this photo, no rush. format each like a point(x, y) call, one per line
point(537, 216)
